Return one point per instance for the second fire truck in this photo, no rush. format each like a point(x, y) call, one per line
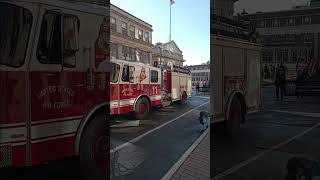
point(136, 87)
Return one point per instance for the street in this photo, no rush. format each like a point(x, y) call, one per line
point(151, 149)
point(268, 140)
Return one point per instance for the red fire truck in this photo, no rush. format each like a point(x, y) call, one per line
point(235, 73)
point(136, 87)
point(54, 83)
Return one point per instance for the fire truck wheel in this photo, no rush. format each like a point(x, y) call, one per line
point(235, 117)
point(183, 98)
point(142, 108)
point(94, 149)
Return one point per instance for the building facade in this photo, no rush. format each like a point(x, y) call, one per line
point(289, 36)
point(200, 74)
point(167, 54)
point(130, 37)
point(223, 8)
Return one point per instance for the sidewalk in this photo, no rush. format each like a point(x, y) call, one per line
point(197, 164)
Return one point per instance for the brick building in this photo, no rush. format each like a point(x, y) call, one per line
point(131, 37)
point(290, 35)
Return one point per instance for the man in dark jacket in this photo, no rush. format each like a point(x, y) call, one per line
point(197, 87)
point(280, 81)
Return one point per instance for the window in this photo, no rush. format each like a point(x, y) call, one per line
point(294, 54)
point(154, 76)
point(275, 23)
point(115, 72)
point(315, 19)
point(140, 34)
point(132, 31)
point(306, 20)
point(132, 53)
point(299, 20)
point(125, 52)
point(113, 24)
point(262, 23)
point(124, 28)
point(138, 55)
point(267, 55)
point(128, 74)
point(283, 22)
point(291, 21)
point(146, 57)
point(15, 25)
point(49, 45)
point(114, 50)
point(146, 36)
point(269, 23)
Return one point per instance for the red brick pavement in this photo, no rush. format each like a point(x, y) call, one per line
point(197, 164)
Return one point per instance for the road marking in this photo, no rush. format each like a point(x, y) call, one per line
point(152, 130)
point(203, 97)
point(184, 157)
point(254, 158)
point(316, 115)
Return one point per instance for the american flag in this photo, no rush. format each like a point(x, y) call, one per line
point(172, 2)
point(312, 67)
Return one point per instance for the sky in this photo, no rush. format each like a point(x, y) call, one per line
point(190, 27)
point(253, 6)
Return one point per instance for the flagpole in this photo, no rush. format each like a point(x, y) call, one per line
point(170, 22)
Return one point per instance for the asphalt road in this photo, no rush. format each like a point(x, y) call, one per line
point(268, 140)
point(170, 132)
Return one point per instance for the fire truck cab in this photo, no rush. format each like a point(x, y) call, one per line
point(54, 82)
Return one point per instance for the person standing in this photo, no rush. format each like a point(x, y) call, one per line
point(197, 87)
point(299, 79)
point(271, 71)
point(280, 81)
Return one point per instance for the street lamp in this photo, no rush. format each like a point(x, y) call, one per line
point(160, 50)
point(161, 68)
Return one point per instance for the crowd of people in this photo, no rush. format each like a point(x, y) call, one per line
point(204, 85)
point(305, 71)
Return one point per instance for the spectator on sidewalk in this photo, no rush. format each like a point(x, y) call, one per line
point(272, 71)
point(280, 81)
point(197, 87)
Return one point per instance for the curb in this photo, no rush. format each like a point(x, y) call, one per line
point(184, 157)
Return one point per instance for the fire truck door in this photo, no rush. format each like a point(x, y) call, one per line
point(57, 87)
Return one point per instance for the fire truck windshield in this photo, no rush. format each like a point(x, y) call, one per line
point(15, 25)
